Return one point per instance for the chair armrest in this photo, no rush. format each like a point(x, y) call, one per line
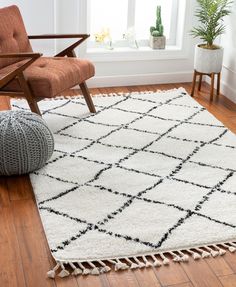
point(5, 79)
point(69, 51)
point(20, 55)
point(58, 36)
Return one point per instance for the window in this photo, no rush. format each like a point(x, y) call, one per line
point(145, 17)
point(110, 14)
point(118, 16)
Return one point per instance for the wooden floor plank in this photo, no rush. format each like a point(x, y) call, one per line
point(146, 277)
point(69, 281)
point(219, 266)
point(171, 274)
point(4, 103)
point(122, 278)
point(230, 258)
point(228, 281)
point(4, 196)
point(200, 274)
point(182, 285)
point(20, 187)
point(11, 270)
point(91, 281)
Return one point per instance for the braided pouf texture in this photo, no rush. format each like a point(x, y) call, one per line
point(26, 143)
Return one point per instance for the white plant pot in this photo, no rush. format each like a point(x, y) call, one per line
point(208, 61)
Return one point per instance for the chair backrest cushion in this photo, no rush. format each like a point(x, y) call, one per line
point(13, 36)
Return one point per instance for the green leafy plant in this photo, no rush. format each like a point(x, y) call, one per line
point(210, 14)
point(158, 30)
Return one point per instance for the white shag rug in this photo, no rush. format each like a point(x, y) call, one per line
point(149, 176)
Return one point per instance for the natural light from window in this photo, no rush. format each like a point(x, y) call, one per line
point(110, 14)
point(116, 16)
point(145, 16)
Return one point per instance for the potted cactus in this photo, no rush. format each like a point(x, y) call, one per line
point(210, 13)
point(157, 38)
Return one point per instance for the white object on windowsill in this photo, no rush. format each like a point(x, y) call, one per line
point(130, 37)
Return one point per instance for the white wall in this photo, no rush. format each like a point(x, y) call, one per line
point(50, 16)
point(228, 41)
point(66, 20)
point(38, 18)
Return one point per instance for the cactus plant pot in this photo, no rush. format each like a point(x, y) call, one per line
point(157, 42)
point(208, 61)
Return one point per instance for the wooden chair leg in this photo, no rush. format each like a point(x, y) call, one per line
point(212, 86)
point(34, 106)
point(200, 83)
point(87, 96)
point(28, 94)
point(218, 83)
point(194, 83)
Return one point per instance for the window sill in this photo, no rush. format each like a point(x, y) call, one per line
point(129, 54)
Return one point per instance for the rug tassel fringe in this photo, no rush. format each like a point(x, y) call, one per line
point(165, 261)
point(143, 261)
point(230, 246)
point(124, 94)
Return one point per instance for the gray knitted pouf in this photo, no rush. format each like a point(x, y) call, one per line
point(26, 143)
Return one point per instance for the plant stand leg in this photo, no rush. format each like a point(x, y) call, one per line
point(212, 86)
point(194, 83)
point(218, 83)
point(200, 83)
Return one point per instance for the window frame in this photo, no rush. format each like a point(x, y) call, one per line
point(131, 23)
point(179, 50)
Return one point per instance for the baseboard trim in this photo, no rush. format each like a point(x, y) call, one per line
point(228, 92)
point(140, 79)
point(225, 90)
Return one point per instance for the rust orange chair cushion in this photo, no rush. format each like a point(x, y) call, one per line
point(48, 77)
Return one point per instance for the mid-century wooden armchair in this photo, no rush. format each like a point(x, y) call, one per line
point(28, 74)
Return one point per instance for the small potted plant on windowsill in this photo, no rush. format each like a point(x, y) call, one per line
point(157, 38)
point(210, 13)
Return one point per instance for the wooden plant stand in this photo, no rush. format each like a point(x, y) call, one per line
point(212, 76)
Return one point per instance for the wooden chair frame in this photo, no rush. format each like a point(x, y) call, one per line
point(18, 73)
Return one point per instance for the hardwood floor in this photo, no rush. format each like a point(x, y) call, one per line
point(25, 256)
